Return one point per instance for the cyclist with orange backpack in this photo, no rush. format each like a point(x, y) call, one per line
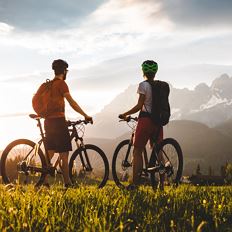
point(146, 128)
point(49, 103)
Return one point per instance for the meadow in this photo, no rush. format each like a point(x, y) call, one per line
point(186, 208)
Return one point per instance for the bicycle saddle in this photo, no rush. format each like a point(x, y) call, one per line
point(34, 116)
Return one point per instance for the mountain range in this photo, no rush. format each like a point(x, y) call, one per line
point(210, 105)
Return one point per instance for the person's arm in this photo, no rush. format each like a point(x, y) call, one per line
point(75, 106)
point(136, 108)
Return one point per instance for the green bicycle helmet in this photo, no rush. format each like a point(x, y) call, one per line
point(149, 66)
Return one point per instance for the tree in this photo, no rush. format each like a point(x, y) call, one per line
point(210, 171)
point(228, 176)
point(223, 171)
point(198, 171)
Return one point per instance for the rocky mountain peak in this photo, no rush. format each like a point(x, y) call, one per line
point(221, 87)
point(202, 88)
point(221, 81)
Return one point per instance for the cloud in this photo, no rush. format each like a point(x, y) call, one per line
point(5, 28)
point(33, 15)
point(116, 28)
point(198, 13)
point(105, 29)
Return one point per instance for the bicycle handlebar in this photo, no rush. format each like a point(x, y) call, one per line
point(74, 123)
point(128, 119)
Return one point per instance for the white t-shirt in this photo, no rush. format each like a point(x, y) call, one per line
point(145, 89)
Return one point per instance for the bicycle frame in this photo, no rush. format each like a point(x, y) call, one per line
point(83, 157)
point(25, 167)
point(50, 169)
point(149, 165)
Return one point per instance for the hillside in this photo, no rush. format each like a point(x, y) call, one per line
point(225, 128)
point(201, 144)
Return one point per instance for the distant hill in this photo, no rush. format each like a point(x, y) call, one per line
point(225, 128)
point(201, 144)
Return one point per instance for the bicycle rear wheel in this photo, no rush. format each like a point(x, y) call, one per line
point(171, 161)
point(15, 160)
point(88, 165)
point(122, 169)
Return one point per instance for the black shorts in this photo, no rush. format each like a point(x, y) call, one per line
point(57, 135)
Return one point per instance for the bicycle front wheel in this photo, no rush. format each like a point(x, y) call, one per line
point(171, 162)
point(88, 165)
point(122, 163)
point(18, 161)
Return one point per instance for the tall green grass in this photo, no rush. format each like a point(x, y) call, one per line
point(186, 208)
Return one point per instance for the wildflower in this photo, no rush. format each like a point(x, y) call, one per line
point(172, 224)
point(121, 226)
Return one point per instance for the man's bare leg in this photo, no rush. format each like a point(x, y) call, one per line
point(65, 167)
point(137, 164)
point(50, 155)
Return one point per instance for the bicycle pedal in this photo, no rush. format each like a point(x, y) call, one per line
point(169, 170)
point(52, 171)
point(144, 175)
point(153, 169)
point(59, 172)
point(170, 173)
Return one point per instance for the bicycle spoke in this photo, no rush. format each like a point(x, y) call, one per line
point(89, 167)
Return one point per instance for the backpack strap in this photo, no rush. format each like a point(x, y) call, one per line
point(151, 82)
point(143, 114)
point(151, 94)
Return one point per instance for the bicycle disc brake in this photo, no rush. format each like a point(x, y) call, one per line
point(22, 167)
point(125, 165)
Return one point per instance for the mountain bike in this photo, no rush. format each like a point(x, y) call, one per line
point(28, 162)
point(166, 159)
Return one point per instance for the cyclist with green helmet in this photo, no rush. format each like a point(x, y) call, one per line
point(146, 128)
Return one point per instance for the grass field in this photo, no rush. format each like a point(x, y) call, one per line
point(186, 208)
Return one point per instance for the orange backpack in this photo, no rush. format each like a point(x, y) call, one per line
point(42, 99)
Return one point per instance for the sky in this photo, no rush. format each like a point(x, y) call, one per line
point(105, 42)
